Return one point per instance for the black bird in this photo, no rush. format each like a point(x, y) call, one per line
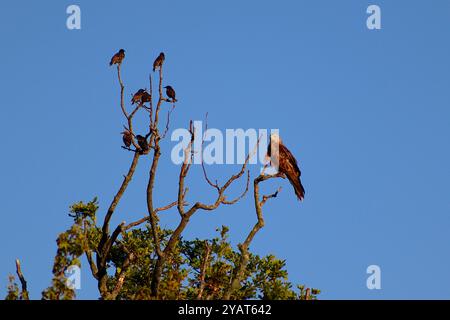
point(159, 61)
point(142, 142)
point(118, 57)
point(137, 96)
point(127, 138)
point(170, 93)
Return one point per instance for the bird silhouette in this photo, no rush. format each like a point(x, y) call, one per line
point(170, 92)
point(142, 142)
point(127, 138)
point(118, 57)
point(137, 96)
point(159, 61)
point(146, 97)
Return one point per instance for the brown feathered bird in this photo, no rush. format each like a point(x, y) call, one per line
point(146, 97)
point(142, 142)
point(282, 158)
point(127, 138)
point(118, 57)
point(137, 96)
point(170, 92)
point(159, 61)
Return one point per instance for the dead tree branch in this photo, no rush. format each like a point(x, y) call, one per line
point(24, 293)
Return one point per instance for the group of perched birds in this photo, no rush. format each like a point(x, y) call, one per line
point(127, 138)
point(142, 95)
point(279, 154)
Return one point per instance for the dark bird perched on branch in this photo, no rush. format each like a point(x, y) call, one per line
point(137, 96)
point(118, 57)
point(146, 97)
point(170, 93)
point(283, 159)
point(127, 138)
point(142, 142)
point(159, 61)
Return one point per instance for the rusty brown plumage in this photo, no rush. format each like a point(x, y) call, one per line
point(282, 158)
point(137, 96)
point(127, 138)
point(118, 57)
point(146, 97)
point(159, 61)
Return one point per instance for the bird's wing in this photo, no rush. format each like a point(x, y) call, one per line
point(288, 165)
point(290, 159)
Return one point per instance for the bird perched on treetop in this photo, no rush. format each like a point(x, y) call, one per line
point(118, 57)
point(127, 138)
point(282, 158)
point(146, 97)
point(170, 93)
point(137, 96)
point(142, 142)
point(159, 61)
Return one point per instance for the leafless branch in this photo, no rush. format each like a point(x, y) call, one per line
point(216, 184)
point(167, 122)
point(24, 293)
point(144, 219)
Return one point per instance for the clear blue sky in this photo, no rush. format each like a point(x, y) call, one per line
point(367, 114)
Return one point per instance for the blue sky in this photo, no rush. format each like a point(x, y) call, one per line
point(366, 113)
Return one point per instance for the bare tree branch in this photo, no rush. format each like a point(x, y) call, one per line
point(24, 293)
point(144, 219)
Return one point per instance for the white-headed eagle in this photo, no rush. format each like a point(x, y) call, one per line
point(282, 158)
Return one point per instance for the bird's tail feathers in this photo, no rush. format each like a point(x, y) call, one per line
point(298, 188)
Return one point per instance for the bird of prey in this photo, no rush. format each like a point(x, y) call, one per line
point(127, 138)
point(142, 142)
point(146, 97)
point(118, 57)
point(170, 93)
point(137, 97)
point(282, 158)
point(158, 61)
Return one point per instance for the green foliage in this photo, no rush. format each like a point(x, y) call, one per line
point(13, 289)
point(81, 237)
point(196, 269)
